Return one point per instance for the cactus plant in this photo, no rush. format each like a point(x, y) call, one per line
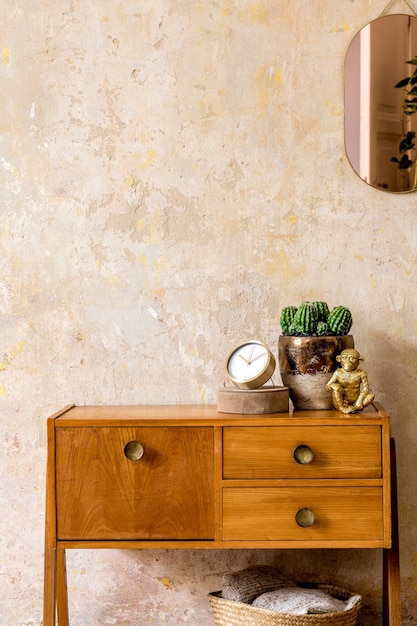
point(305, 319)
point(340, 320)
point(314, 318)
point(323, 329)
point(287, 318)
point(322, 310)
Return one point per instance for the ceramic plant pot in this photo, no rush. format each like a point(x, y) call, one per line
point(306, 365)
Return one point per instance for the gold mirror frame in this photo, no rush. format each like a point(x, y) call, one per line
point(380, 125)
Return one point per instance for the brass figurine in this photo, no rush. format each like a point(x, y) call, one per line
point(349, 385)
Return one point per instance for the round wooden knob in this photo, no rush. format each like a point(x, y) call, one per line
point(305, 517)
point(134, 451)
point(303, 454)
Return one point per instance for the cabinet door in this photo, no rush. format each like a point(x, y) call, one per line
point(167, 493)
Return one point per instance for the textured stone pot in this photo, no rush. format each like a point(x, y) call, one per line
point(306, 365)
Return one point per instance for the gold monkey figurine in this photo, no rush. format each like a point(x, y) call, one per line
point(349, 385)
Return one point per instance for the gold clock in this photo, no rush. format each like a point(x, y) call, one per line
point(250, 365)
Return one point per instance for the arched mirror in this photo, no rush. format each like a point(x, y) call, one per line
point(381, 103)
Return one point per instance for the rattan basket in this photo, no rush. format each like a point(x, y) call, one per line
point(231, 613)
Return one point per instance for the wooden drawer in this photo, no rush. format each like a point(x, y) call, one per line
point(257, 452)
point(166, 494)
point(268, 513)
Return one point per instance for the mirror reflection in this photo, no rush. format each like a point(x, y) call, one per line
point(381, 102)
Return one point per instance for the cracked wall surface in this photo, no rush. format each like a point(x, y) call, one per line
point(172, 174)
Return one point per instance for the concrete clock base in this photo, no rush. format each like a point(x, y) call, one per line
point(260, 401)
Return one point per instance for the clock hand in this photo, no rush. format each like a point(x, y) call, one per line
point(242, 357)
point(258, 357)
point(251, 355)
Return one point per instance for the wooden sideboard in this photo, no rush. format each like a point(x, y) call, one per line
point(187, 476)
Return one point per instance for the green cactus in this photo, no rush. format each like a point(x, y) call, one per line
point(287, 319)
point(340, 320)
point(292, 330)
point(322, 310)
point(323, 329)
point(305, 320)
point(314, 318)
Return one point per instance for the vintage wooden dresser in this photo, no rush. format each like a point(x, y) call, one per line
point(189, 477)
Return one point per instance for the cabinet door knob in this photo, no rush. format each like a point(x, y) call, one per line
point(134, 450)
point(305, 517)
point(303, 454)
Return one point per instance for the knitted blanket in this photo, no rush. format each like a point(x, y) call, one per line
point(300, 601)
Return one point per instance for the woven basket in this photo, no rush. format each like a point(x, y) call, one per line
point(230, 613)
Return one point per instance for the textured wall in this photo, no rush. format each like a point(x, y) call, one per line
point(173, 173)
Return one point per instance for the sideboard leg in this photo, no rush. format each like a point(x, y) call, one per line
point(61, 588)
point(391, 558)
point(49, 587)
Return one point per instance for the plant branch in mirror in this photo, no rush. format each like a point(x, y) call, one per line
point(407, 143)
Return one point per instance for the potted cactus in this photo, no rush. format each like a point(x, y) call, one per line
point(312, 337)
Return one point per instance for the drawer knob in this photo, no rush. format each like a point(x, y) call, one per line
point(303, 454)
point(134, 450)
point(305, 517)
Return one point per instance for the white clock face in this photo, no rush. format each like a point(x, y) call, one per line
point(247, 361)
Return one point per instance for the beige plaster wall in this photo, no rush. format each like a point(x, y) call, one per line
point(172, 174)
